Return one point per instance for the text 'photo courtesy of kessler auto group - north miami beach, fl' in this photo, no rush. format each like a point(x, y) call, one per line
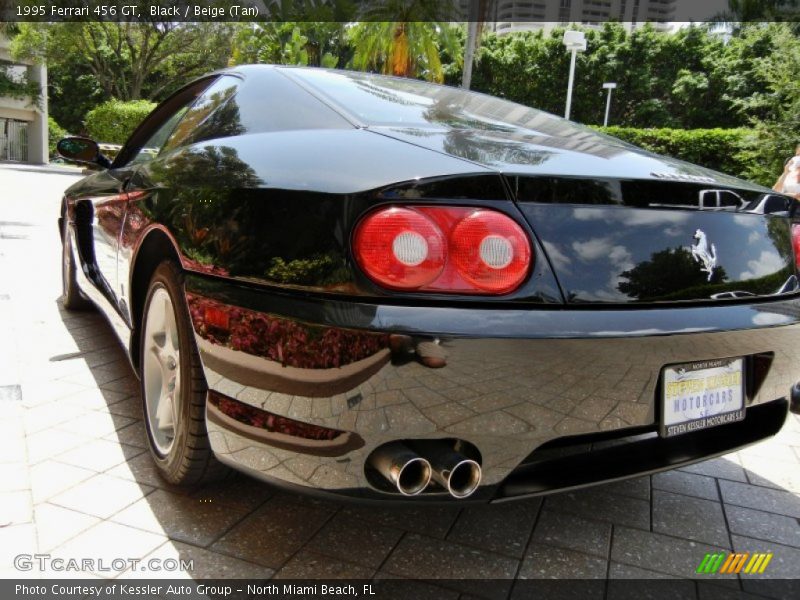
point(400, 299)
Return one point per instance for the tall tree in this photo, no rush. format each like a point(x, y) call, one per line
point(404, 38)
point(777, 126)
point(130, 61)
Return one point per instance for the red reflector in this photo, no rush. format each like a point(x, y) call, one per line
point(400, 248)
point(216, 317)
point(796, 243)
point(452, 249)
point(250, 415)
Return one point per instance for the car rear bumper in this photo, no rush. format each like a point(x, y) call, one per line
point(302, 390)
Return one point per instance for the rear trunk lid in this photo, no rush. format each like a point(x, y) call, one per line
point(621, 241)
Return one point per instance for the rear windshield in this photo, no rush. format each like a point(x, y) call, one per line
point(388, 101)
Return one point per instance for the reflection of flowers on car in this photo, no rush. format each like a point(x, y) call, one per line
point(286, 341)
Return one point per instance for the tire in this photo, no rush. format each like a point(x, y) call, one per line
point(174, 403)
point(72, 298)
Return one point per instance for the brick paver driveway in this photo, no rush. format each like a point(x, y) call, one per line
point(77, 480)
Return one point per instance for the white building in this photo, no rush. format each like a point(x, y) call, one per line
point(23, 124)
point(507, 16)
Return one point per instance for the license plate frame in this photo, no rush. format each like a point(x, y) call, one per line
point(692, 400)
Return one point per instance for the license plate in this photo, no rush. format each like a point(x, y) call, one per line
point(702, 394)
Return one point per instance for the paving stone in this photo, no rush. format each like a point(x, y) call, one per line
point(96, 424)
point(655, 551)
point(142, 469)
point(99, 455)
point(620, 571)
point(204, 565)
point(101, 496)
point(94, 398)
point(573, 532)
point(724, 467)
point(273, 533)
point(51, 443)
point(180, 517)
point(129, 407)
point(56, 524)
point(421, 557)
point(771, 449)
point(15, 540)
point(783, 565)
point(15, 450)
point(501, 528)
point(690, 518)
point(310, 565)
point(44, 392)
point(49, 478)
point(778, 474)
point(432, 521)
point(760, 498)
point(132, 435)
point(638, 487)
point(239, 492)
point(48, 415)
point(689, 484)
point(764, 525)
point(128, 543)
point(347, 539)
point(549, 562)
point(17, 508)
point(14, 477)
point(597, 504)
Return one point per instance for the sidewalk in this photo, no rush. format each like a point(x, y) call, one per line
point(49, 168)
point(77, 481)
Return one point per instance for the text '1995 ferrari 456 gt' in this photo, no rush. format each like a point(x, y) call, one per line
point(390, 290)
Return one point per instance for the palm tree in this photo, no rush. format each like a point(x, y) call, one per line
point(404, 38)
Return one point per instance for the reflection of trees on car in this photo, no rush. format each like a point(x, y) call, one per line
point(666, 272)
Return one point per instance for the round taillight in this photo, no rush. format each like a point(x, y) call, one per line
point(400, 248)
point(490, 251)
point(796, 244)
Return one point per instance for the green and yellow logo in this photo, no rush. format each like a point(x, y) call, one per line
point(739, 562)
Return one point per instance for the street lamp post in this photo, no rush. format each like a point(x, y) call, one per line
point(609, 85)
point(575, 42)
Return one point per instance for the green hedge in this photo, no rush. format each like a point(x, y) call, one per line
point(719, 149)
point(54, 133)
point(113, 121)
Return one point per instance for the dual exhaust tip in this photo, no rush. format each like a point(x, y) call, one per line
point(410, 467)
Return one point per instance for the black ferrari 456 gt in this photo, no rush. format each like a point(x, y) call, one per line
point(385, 289)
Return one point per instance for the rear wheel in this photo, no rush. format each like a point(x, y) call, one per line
point(173, 385)
point(71, 295)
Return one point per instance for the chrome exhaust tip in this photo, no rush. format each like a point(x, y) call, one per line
point(794, 399)
point(456, 473)
point(404, 468)
point(462, 480)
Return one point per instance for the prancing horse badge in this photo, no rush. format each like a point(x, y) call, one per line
point(704, 253)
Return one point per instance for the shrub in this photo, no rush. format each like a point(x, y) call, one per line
point(54, 133)
point(112, 122)
point(718, 149)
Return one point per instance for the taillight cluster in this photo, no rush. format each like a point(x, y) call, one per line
point(443, 249)
point(796, 243)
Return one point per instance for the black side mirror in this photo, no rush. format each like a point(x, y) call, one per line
point(82, 150)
